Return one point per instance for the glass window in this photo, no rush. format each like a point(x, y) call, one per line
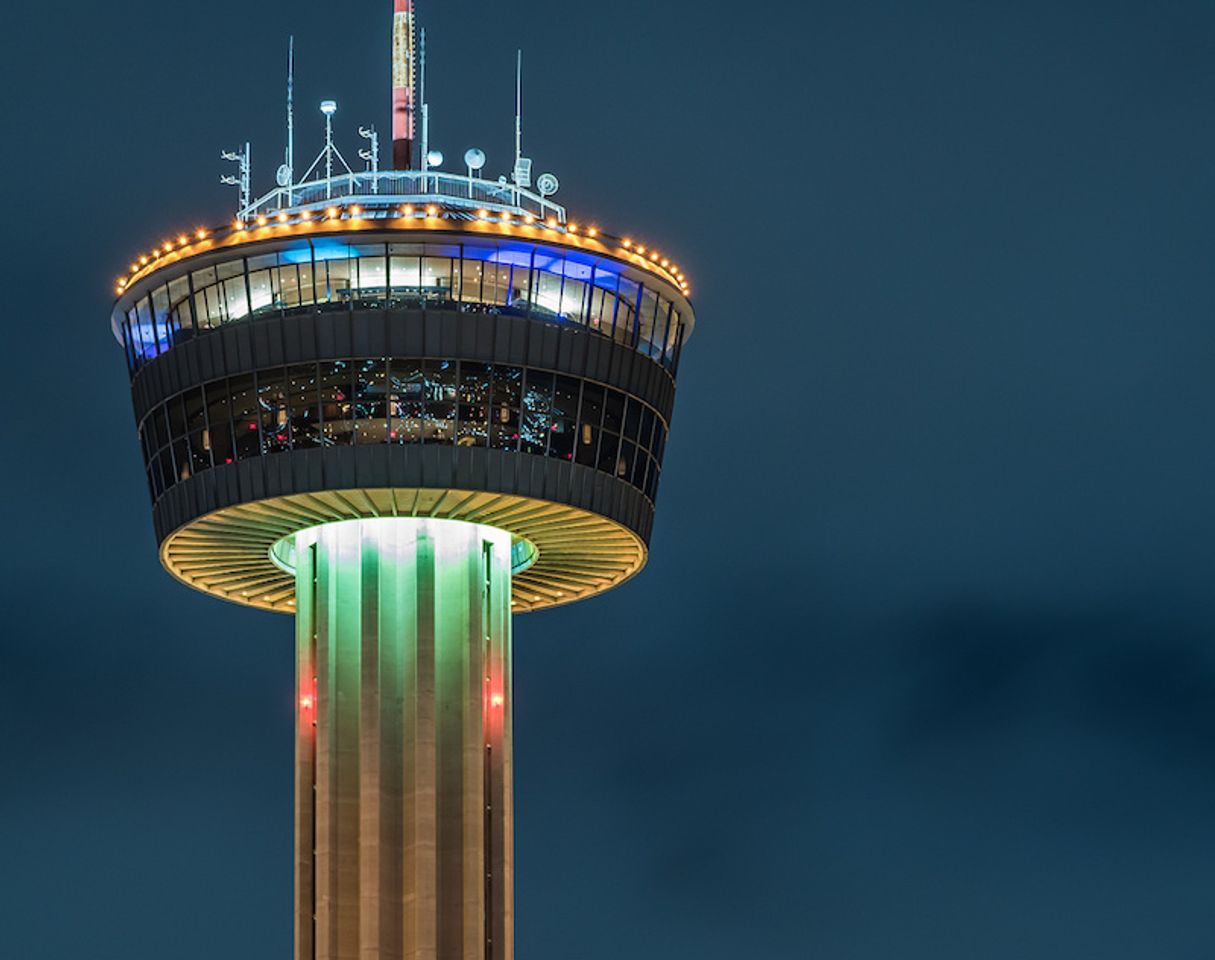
point(219, 422)
point(304, 412)
point(179, 303)
point(573, 301)
point(473, 429)
point(338, 282)
point(470, 286)
point(609, 451)
point(272, 409)
point(236, 299)
point(152, 335)
point(589, 421)
point(245, 416)
point(405, 272)
point(640, 459)
point(261, 292)
point(371, 401)
point(504, 422)
point(308, 283)
point(196, 429)
point(565, 417)
point(660, 439)
point(645, 321)
point(436, 279)
point(632, 420)
point(546, 301)
point(647, 428)
point(369, 272)
point(624, 463)
point(289, 286)
point(626, 312)
point(440, 424)
point(210, 305)
point(160, 428)
point(536, 420)
point(651, 480)
point(407, 399)
point(337, 408)
point(177, 418)
point(181, 459)
point(613, 411)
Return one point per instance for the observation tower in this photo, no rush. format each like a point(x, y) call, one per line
point(402, 405)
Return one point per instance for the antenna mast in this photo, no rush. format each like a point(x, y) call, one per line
point(241, 158)
point(290, 158)
point(518, 106)
point(523, 166)
point(402, 84)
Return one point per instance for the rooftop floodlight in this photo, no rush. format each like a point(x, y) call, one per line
point(329, 107)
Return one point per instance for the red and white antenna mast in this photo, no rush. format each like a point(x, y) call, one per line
point(402, 84)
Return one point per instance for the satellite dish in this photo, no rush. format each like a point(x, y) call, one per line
point(434, 158)
point(283, 176)
point(547, 184)
point(474, 159)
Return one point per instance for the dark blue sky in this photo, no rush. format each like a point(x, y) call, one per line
point(923, 663)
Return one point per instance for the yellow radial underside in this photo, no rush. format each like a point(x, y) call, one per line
point(227, 553)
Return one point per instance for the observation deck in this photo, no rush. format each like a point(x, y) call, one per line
point(358, 318)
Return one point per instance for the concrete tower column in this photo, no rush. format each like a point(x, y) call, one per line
point(403, 741)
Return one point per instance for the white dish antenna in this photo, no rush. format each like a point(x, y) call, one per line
point(474, 158)
point(547, 184)
point(283, 176)
point(434, 158)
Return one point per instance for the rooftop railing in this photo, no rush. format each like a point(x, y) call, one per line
point(408, 186)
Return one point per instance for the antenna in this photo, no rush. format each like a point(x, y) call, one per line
point(518, 106)
point(523, 166)
point(372, 156)
point(402, 84)
point(240, 157)
point(328, 108)
point(291, 110)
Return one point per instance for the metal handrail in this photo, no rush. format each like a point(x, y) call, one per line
point(416, 186)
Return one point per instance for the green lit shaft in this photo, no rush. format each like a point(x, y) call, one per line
point(403, 742)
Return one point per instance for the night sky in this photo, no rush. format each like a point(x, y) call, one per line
point(923, 662)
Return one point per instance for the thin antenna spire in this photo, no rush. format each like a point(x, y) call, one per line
point(290, 157)
point(523, 166)
point(402, 84)
point(518, 106)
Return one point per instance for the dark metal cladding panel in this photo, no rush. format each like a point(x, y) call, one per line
point(300, 339)
point(244, 345)
point(363, 344)
point(389, 466)
point(326, 337)
point(266, 352)
point(516, 351)
point(432, 342)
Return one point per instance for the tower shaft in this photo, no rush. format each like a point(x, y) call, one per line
point(403, 742)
